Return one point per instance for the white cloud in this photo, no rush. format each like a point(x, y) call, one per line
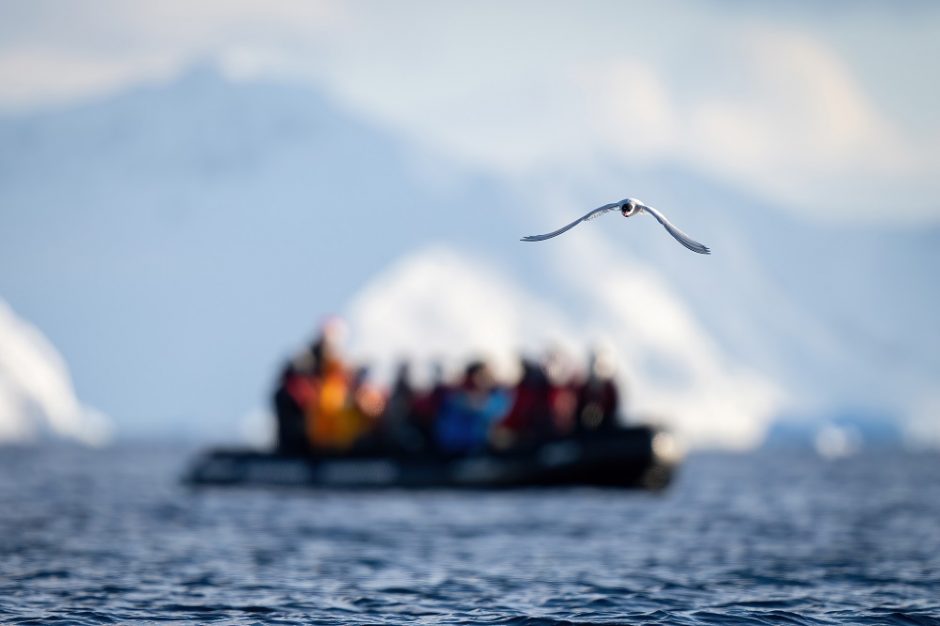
point(800, 128)
point(777, 106)
point(36, 394)
point(774, 109)
point(84, 49)
point(48, 76)
point(633, 113)
point(439, 303)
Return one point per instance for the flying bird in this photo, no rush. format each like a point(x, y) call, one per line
point(628, 208)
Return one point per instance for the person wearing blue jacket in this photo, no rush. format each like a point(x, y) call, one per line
point(468, 412)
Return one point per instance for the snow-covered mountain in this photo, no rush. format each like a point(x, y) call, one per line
point(37, 400)
point(177, 240)
point(841, 315)
point(440, 303)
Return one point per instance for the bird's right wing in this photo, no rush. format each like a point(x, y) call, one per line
point(590, 216)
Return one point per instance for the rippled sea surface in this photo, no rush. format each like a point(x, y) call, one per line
point(112, 537)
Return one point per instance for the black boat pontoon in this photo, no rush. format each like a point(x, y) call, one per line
point(637, 456)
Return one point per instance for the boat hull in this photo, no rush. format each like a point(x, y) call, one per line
point(637, 457)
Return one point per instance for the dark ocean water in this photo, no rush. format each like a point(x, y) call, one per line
point(111, 537)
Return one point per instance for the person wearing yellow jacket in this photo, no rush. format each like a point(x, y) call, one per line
point(332, 420)
point(341, 407)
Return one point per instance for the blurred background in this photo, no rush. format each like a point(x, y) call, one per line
point(186, 191)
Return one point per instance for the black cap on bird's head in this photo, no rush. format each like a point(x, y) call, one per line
point(630, 206)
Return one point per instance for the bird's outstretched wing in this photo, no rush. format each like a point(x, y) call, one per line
point(590, 216)
point(680, 236)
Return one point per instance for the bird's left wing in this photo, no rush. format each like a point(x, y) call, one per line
point(590, 216)
point(680, 236)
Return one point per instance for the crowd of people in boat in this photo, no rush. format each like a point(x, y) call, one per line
point(324, 405)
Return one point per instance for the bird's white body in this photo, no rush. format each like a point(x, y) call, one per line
point(628, 207)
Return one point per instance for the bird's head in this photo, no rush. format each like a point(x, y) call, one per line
point(630, 206)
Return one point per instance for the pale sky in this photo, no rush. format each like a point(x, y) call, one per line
point(828, 110)
point(823, 110)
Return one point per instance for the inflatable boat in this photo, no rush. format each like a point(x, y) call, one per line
point(635, 457)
